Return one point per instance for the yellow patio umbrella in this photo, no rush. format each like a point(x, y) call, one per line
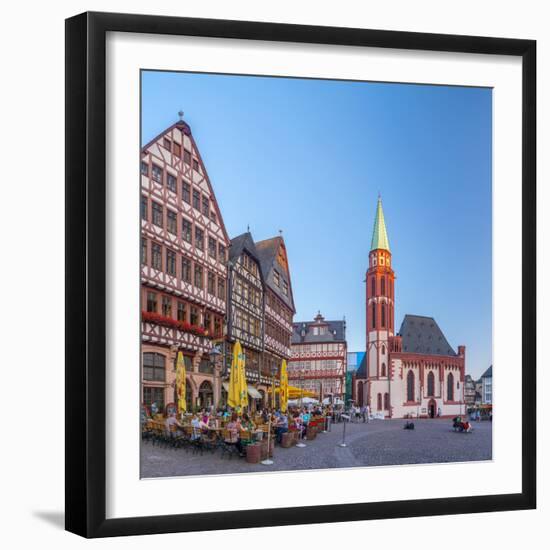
point(180, 383)
point(237, 395)
point(283, 388)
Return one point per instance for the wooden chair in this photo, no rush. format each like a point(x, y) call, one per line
point(229, 444)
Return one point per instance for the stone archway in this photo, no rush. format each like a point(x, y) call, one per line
point(206, 395)
point(432, 408)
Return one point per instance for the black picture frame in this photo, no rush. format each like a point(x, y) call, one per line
point(86, 274)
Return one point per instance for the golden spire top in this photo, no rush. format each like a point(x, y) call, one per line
point(379, 233)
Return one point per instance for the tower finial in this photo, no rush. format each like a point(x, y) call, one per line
point(180, 114)
point(248, 228)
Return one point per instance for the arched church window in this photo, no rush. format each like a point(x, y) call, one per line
point(383, 349)
point(383, 315)
point(383, 370)
point(386, 401)
point(373, 286)
point(450, 387)
point(431, 383)
point(410, 386)
point(383, 286)
point(373, 315)
point(379, 401)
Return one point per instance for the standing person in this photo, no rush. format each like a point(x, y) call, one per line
point(281, 427)
point(364, 413)
point(368, 412)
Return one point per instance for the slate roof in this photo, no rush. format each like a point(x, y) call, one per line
point(267, 254)
point(336, 331)
point(421, 334)
point(488, 373)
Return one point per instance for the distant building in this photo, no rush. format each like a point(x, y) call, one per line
point(354, 360)
point(319, 357)
point(469, 391)
point(487, 387)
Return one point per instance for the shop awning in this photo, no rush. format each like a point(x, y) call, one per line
point(254, 393)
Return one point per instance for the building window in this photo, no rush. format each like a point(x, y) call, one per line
point(383, 315)
point(205, 206)
point(196, 199)
point(373, 315)
point(157, 213)
point(198, 276)
point(373, 286)
point(386, 401)
point(157, 173)
point(285, 288)
point(450, 387)
point(181, 312)
point(186, 230)
point(383, 370)
point(207, 324)
point(187, 156)
point(167, 306)
point(152, 302)
point(410, 386)
point(167, 144)
point(144, 168)
point(212, 247)
point(170, 262)
point(156, 256)
point(186, 269)
point(383, 349)
point(211, 283)
point(379, 402)
point(199, 238)
point(172, 222)
point(144, 251)
point(277, 278)
point(171, 183)
point(221, 288)
point(431, 384)
point(217, 327)
point(144, 215)
point(153, 395)
point(196, 165)
point(186, 192)
point(177, 149)
point(194, 316)
point(154, 367)
point(383, 286)
point(221, 253)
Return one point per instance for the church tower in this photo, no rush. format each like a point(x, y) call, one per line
point(380, 280)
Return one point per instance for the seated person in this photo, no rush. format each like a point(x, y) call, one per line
point(234, 428)
point(196, 425)
point(170, 422)
point(281, 427)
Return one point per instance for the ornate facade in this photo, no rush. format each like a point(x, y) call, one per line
point(245, 313)
point(319, 357)
point(278, 304)
point(184, 248)
point(414, 372)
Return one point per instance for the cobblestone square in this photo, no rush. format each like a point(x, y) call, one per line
point(377, 443)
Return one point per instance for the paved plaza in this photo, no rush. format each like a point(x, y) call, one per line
point(378, 443)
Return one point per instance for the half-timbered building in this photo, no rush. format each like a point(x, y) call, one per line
point(415, 372)
point(319, 357)
point(184, 247)
point(279, 307)
point(245, 314)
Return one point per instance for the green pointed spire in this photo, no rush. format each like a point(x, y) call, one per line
point(379, 233)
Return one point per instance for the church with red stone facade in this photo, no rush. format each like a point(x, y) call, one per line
point(411, 373)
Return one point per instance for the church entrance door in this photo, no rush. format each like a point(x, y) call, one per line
point(432, 408)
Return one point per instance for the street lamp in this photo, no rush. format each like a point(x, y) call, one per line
point(267, 461)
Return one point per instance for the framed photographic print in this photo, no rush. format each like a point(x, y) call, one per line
point(296, 259)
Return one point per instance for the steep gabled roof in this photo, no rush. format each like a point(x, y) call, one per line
point(242, 243)
point(421, 334)
point(302, 332)
point(488, 373)
point(268, 253)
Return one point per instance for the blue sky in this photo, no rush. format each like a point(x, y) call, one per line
point(310, 157)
